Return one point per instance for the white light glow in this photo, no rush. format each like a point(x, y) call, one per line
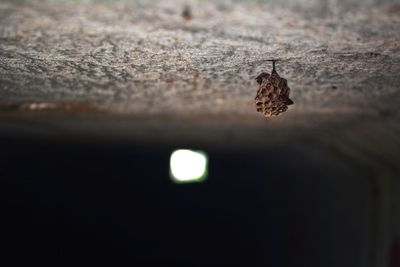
point(188, 166)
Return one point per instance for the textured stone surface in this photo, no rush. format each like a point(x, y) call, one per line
point(140, 67)
point(145, 52)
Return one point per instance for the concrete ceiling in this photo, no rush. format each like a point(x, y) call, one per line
point(140, 70)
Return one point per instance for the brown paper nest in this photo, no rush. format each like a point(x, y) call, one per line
point(272, 97)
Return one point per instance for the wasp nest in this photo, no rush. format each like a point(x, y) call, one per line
point(273, 95)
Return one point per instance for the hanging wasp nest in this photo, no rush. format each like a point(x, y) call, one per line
point(272, 97)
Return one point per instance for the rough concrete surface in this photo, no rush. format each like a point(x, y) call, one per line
point(144, 71)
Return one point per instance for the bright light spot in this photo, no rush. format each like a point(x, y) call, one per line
point(187, 166)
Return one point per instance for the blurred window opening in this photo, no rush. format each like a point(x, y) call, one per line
point(188, 166)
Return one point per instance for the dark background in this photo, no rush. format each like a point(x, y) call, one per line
point(109, 203)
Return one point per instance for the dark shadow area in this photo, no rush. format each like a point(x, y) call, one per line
point(74, 203)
